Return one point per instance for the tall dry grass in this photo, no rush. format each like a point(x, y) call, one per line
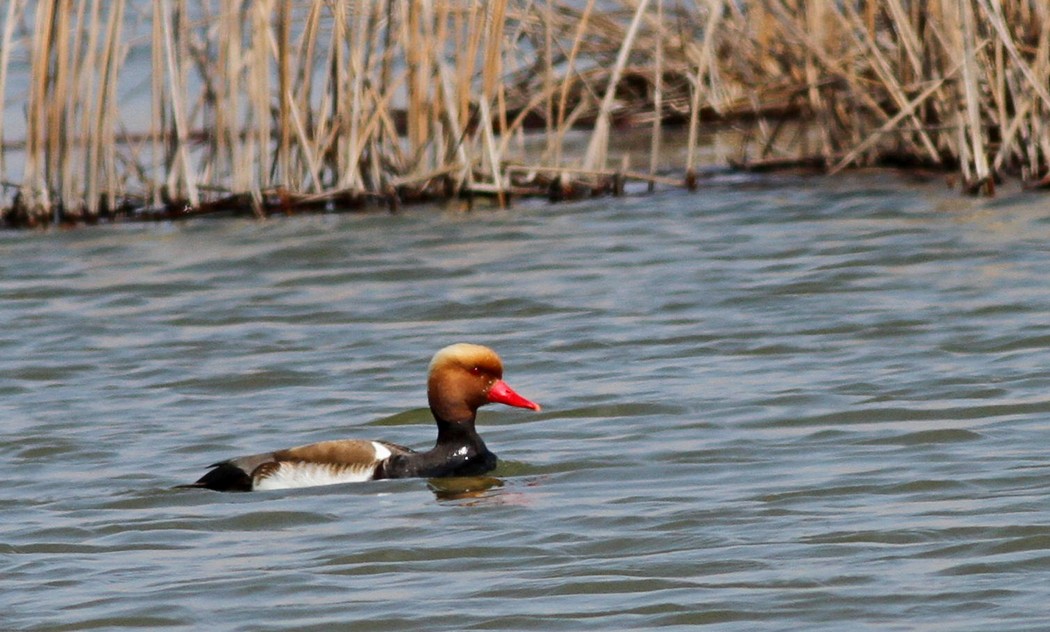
point(272, 105)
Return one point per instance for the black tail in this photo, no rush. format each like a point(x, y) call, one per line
point(223, 477)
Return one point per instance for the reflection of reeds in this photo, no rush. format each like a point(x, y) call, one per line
point(270, 105)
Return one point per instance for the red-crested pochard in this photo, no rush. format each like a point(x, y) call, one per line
point(462, 378)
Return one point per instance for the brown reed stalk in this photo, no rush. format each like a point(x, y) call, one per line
point(13, 15)
point(158, 150)
point(300, 155)
point(598, 147)
point(491, 72)
point(703, 62)
point(411, 37)
point(1039, 154)
point(69, 98)
point(259, 97)
point(101, 177)
point(334, 120)
point(86, 85)
point(464, 174)
point(816, 24)
point(60, 103)
point(34, 191)
point(909, 39)
point(658, 95)
point(966, 40)
point(565, 119)
point(237, 130)
point(174, 32)
point(357, 106)
point(285, 124)
point(548, 74)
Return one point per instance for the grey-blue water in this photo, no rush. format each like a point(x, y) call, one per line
point(770, 405)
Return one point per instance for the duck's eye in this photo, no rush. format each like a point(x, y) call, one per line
point(476, 370)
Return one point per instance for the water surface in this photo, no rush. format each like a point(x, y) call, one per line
point(772, 405)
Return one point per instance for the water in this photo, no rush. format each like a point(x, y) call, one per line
point(771, 405)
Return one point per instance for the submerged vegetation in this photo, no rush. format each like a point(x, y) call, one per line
point(168, 108)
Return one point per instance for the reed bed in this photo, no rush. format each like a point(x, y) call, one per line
point(139, 109)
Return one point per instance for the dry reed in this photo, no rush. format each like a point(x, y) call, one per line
point(273, 106)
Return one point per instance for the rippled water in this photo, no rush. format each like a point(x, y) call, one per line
point(771, 405)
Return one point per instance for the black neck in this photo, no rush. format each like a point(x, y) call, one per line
point(457, 434)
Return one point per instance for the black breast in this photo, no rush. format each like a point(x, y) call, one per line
point(437, 463)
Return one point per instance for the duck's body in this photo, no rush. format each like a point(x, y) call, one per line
point(462, 378)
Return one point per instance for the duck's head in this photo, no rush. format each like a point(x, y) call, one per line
point(463, 377)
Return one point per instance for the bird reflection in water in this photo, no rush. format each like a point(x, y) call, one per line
point(486, 490)
point(464, 487)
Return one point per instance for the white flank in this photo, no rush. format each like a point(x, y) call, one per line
point(298, 474)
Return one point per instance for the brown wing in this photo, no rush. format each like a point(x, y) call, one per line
point(341, 452)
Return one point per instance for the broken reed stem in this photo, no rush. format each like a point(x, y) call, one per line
point(291, 103)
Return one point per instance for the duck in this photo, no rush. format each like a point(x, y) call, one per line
point(462, 377)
